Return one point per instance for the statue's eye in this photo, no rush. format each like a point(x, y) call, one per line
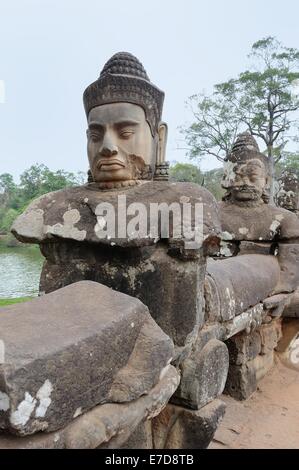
point(126, 133)
point(94, 136)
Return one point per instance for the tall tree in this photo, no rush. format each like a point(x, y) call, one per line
point(262, 100)
point(7, 184)
point(216, 124)
point(8, 189)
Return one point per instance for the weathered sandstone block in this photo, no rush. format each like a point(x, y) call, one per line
point(243, 347)
point(235, 284)
point(71, 350)
point(179, 428)
point(241, 381)
point(288, 258)
point(203, 376)
point(104, 426)
point(270, 335)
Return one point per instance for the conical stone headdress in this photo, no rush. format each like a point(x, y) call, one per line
point(123, 79)
point(246, 148)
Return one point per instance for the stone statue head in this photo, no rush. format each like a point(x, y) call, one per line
point(287, 195)
point(246, 172)
point(126, 138)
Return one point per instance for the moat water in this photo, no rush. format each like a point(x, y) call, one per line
point(20, 269)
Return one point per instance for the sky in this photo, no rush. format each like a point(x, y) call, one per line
point(51, 50)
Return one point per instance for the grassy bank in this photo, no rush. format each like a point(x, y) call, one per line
point(4, 302)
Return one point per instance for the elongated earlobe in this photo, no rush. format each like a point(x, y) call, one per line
point(89, 177)
point(162, 132)
point(161, 170)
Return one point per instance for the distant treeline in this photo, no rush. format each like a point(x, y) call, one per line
point(37, 180)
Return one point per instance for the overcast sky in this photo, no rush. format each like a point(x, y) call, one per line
point(50, 50)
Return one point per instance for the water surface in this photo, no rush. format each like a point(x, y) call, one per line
point(20, 269)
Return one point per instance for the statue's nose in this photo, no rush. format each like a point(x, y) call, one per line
point(241, 177)
point(108, 147)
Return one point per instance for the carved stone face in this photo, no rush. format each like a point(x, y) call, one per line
point(288, 200)
point(249, 180)
point(120, 145)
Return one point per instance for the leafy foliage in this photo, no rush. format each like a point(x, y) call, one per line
point(38, 179)
point(215, 127)
point(289, 161)
point(34, 182)
point(186, 172)
point(211, 180)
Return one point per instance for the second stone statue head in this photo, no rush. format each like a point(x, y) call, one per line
point(126, 138)
point(246, 172)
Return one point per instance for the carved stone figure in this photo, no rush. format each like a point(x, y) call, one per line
point(244, 212)
point(162, 268)
point(213, 323)
point(126, 138)
point(246, 173)
point(287, 195)
point(261, 244)
point(126, 143)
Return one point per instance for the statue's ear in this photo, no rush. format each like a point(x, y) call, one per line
point(266, 192)
point(162, 132)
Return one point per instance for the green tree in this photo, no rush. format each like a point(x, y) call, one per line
point(289, 161)
point(215, 127)
point(34, 182)
point(38, 180)
point(53, 181)
point(211, 179)
point(7, 219)
point(7, 184)
point(185, 172)
point(262, 100)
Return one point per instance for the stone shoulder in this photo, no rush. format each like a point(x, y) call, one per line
point(73, 213)
point(262, 223)
point(289, 224)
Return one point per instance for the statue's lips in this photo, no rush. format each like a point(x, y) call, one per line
point(111, 164)
point(244, 189)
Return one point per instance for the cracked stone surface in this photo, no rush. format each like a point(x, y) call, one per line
point(73, 349)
